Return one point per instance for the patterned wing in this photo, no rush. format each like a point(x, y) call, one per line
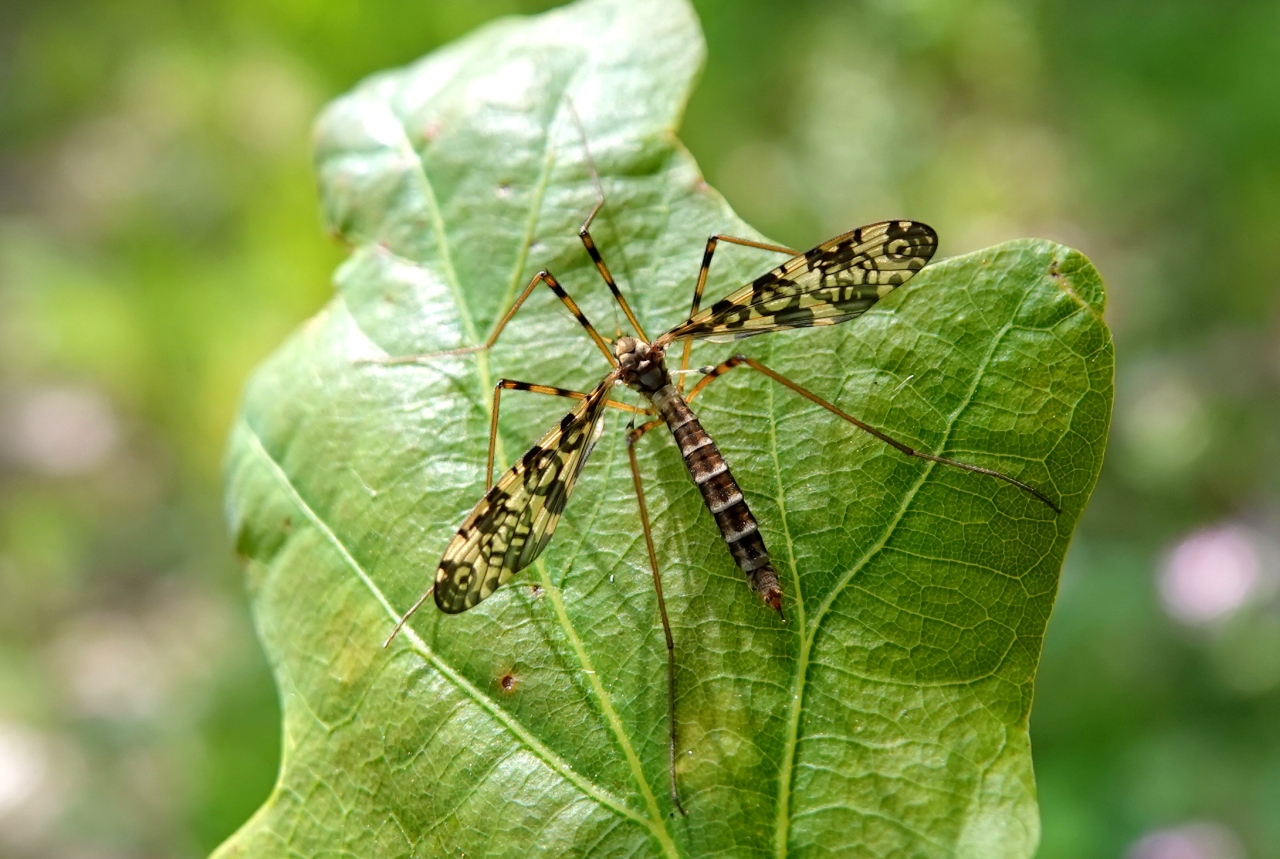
point(834, 282)
point(516, 518)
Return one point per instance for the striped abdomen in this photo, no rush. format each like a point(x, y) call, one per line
point(720, 491)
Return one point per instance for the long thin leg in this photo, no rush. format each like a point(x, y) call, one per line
point(584, 232)
point(712, 242)
point(662, 611)
point(742, 360)
point(541, 277)
point(513, 385)
point(405, 617)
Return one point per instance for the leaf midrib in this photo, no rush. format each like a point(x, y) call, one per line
point(655, 823)
point(783, 820)
point(537, 747)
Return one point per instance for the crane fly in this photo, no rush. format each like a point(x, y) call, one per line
point(507, 529)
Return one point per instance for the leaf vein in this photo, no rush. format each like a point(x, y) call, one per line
point(535, 746)
point(809, 635)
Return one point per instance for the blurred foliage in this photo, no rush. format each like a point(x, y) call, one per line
point(159, 235)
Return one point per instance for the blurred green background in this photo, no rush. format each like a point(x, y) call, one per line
point(159, 236)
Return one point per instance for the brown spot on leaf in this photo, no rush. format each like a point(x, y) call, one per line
point(1065, 284)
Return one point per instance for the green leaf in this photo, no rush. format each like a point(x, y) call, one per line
point(888, 716)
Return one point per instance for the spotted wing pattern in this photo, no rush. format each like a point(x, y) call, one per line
point(834, 282)
point(516, 518)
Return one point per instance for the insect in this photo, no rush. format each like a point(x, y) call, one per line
point(507, 529)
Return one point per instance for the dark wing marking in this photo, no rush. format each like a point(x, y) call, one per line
point(834, 282)
point(517, 516)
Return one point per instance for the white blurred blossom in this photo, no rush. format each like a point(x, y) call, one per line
point(35, 774)
point(1211, 573)
point(58, 430)
point(1199, 840)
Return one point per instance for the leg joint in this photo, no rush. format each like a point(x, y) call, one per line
point(634, 435)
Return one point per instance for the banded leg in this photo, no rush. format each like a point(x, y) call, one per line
point(584, 232)
point(707, 254)
point(541, 277)
point(506, 385)
point(742, 360)
point(548, 390)
point(632, 437)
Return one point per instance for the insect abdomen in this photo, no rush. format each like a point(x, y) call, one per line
point(720, 492)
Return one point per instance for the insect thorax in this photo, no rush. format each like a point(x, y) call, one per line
point(641, 365)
